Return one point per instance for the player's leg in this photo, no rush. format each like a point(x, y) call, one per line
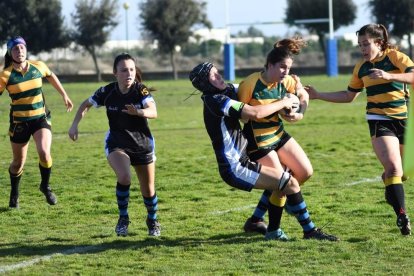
point(16, 170)
point(387, 150)
point(146, 177)
point(43, 140)
point(120, 163)
point(294, 157)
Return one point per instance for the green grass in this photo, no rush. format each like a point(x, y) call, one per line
point(201, 216)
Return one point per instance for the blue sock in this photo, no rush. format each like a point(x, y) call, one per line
point(262, 206)
point(151, 203)
point(297, 206)
point(122, 197)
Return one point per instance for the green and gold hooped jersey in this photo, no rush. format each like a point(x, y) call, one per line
point(385, 99)
point(25, 90)
point(254, 90)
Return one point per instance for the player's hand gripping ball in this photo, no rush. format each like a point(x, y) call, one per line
point(295, 106)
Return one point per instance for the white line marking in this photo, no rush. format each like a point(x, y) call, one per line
point(31, 262)
point(364, 180)
point(232, 210)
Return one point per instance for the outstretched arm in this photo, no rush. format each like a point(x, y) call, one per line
point(334, 97)
point(83, 108)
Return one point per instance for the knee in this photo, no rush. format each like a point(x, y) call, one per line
point(124, 178)
point(304, 176)
point(291, 186)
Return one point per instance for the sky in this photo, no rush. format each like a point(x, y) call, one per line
point(238, 12)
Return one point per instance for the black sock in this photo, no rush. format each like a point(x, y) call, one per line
point(45, 175)
point(275, 216)
point(394, 194)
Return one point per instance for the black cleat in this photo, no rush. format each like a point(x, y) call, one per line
point(317, 234)
point(259, 226)
point(403, 223)
point(14, 201)
point(154, 227)
point(121, 228)
point(50, 196)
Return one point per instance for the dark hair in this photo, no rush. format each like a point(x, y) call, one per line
point(379, 33)
point(126, 56)
point(7, 60)
point(284, 49)
point(138, 72)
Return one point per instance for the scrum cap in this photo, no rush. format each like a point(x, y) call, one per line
point(199, 78)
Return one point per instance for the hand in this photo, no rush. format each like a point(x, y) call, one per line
point(298, 83)
point(73, 133)
point(313, 94)
point(68, 103)
point(131, 109)
point(292, 117)
point(379, 74)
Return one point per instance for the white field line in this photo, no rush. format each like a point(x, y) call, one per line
point(364, 180)
point(34, 261)
point(232, 210)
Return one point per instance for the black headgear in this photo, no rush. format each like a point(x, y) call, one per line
point(199, 78)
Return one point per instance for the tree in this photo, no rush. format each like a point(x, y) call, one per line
point(169, 22)
point(39, 22)
point(397, 16)
point(344, 13)
point(93, 23)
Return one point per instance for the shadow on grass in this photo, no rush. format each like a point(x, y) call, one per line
point(15, 249)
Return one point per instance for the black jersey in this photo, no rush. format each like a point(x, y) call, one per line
point(221, 118)
point(125, 131)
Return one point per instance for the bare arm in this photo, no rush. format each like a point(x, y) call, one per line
point(83, 108)
point(260, 111)
point(399, 77)
point(334, 97)
point(149, 111)
point(53, 79)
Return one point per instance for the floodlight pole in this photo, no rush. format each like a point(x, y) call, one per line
point(126, 7)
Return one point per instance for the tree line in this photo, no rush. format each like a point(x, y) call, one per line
point(172, 22)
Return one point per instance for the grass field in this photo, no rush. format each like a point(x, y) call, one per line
point(201, 217)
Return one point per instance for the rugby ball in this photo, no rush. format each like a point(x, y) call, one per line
point(295, 107)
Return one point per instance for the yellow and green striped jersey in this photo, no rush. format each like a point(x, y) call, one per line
point(385, 99)
point(266, 132)
point(25, 90)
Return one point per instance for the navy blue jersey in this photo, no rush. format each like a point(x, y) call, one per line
point(221, 118)
point(125, 131)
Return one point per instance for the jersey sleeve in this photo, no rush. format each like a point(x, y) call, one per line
point(356, 84)
point(245, 91)
point(42, 67)
point(290, 84)
point(221, 105)
point(98, 98)
point(402, 61)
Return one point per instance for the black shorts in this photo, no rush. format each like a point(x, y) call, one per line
point(395, 128)
point(136, 158)
point(260, 153)
point(20, 132)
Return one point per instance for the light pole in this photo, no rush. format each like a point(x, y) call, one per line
point(126, 7)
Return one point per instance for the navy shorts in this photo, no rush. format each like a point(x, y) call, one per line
point(395, 128)
point(240, 174)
